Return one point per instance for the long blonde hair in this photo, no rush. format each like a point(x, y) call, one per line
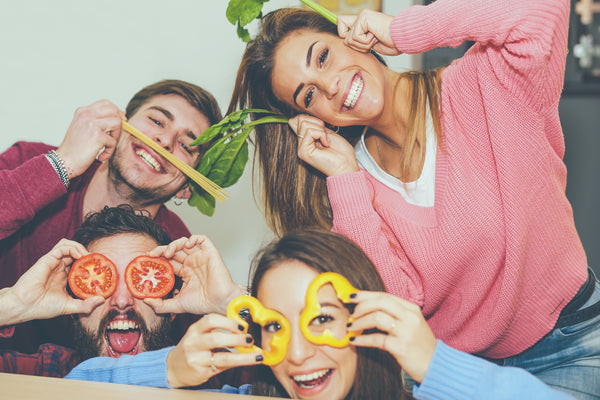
point(294, 194)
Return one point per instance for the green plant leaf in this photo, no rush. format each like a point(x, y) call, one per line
point(202, 200)
point(224, 162)
point(242, 12)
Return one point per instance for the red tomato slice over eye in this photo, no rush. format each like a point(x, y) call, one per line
point(149, 277)
point(93, 275)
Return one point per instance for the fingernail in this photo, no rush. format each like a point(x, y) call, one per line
point(349, 324)
point(241, 327)
point(249, 339)
point(353, 296)
point(259, 358)
point(352, 338)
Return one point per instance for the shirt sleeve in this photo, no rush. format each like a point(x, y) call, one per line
point(50, 360)
point(524, 42)
point(145, 369)
point(454, 375)
point(354, 216)
point(28, 183)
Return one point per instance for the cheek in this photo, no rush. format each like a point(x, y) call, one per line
point(346, 358)
point(91, 322)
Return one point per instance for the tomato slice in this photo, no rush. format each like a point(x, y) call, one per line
point(93, 275)
point(149, 277)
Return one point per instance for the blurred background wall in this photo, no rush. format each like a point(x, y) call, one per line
point(62, 54)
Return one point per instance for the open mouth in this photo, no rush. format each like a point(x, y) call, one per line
point(122, 336)
point(149, 159)
point(312, 380)
point(354, 92)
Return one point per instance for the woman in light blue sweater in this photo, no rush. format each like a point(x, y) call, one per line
point(390, 332)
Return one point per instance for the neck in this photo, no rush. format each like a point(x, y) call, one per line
point(102, 191)
point(392, 123)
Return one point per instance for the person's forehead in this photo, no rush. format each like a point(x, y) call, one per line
point(123, 247)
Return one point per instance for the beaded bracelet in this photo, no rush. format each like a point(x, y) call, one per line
point(59, 167)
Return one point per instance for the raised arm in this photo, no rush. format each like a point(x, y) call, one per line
point(440, 371)
point(41, 292)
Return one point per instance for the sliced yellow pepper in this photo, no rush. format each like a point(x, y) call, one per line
point(262, 316)
point(312, 308)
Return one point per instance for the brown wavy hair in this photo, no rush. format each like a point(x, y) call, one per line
point(378, 375)
point(199, 98)
point(294, 194)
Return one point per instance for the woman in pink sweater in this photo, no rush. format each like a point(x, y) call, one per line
point(452, 181)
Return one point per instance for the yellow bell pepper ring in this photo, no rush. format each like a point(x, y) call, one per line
point(312, 308)
point(262, 316)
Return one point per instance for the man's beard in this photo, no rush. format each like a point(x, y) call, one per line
point(134, 195)
point(89, 344)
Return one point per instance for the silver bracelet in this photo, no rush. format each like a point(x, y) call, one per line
point(59, 166)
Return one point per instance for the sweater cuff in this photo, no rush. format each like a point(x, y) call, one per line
point(38, 179)
point(451, 375)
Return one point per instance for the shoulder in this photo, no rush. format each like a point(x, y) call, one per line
point(30, 149)
point(171, 223)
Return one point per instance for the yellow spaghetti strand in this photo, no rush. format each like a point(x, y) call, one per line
point(212, 188)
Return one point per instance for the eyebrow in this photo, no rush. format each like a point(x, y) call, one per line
point(308, 58)
point(171, 117)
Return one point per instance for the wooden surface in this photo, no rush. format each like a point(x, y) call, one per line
point(13, 386)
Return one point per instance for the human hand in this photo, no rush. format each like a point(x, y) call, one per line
point(41, 291)
point(406, 335)
point(193, 361)
point(321, 147)
point(93, 128)
point(369, 30)
point(207, 284)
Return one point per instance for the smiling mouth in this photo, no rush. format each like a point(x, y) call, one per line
point(312, 380)
point(122, 337)
point(354, 93)
point(149, 159)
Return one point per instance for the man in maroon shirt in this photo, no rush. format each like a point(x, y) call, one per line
point(121, 323)
point(47, 191)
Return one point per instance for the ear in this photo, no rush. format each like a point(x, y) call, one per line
point(184, 193)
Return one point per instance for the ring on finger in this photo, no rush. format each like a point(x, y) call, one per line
point(212, 361)
point(300, 136)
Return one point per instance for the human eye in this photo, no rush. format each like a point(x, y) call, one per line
point(156, 122)
point(186, 148)
point(322, 319)
point(308, 97)
point(272, 327)
point(323, 57)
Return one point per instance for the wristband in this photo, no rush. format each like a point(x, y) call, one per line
point(59, 166)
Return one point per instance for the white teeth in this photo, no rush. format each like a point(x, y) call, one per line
point(310, 377)
point(355, 90)
point(122, 325)
point(144, 155)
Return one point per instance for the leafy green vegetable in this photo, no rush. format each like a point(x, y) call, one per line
point(242, 12)
point(224, 162)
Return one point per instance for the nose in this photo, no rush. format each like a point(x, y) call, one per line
point(165, 140)
point(330, 85)
point(299, 349)
point(122, 298)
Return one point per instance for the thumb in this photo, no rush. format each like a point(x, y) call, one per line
point(158, 305)
point(83, 306)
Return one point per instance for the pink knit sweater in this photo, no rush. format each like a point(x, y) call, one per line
point(497, 257)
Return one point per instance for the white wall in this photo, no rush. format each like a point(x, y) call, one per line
point(61, 54)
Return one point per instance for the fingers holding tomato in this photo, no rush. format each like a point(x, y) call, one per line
point(93, 275)
point(149, 277)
